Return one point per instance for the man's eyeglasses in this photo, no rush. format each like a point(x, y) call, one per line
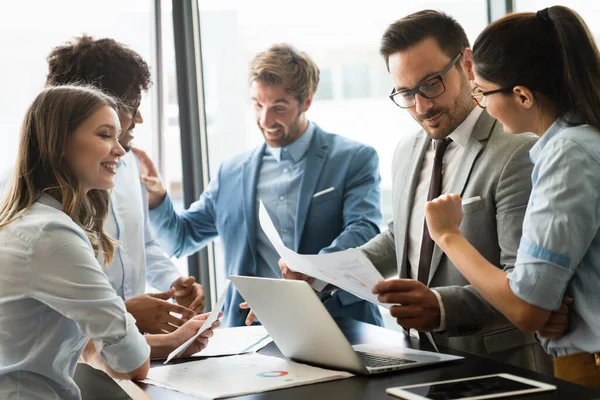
point(430, 89)
point(480, 97)
point(132, 109)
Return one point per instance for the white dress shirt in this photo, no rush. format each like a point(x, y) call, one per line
point(452, 159)
point(54, 297)
point(138, 259)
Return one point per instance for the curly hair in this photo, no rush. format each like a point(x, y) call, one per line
point(103, 63)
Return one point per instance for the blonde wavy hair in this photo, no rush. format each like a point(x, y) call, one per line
point(49, 123)
point(282, 64)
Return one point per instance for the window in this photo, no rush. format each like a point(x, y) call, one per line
point(27, 35)
point(168, 148)
point(355, 78)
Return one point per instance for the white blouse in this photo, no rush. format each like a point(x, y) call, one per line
point(54, 297)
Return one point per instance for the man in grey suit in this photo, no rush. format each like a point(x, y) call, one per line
point(461, 149)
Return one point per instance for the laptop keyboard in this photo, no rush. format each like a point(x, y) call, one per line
point(373, 360)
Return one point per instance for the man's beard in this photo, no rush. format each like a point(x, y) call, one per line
point(463, 105)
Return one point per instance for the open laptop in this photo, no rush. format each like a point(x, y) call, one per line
point(304, 330)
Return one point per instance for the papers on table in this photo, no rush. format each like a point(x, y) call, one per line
point(349, 270)
point(238, 340)
point(212, 318)
point(219, 377)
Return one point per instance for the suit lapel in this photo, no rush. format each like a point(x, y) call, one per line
point(316, 156)
point(481, 131)
point(250, 172)
point(408, 168)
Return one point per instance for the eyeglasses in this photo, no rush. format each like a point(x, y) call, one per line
point(480, 97)
point(132, 109)
point(430, 89)
point(134, 112)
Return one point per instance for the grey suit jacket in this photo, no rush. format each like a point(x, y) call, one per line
point(496, 167)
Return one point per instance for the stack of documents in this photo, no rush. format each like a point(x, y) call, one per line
point(215, 378)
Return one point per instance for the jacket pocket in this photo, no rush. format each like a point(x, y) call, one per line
point(474, 206)
point(324, 197)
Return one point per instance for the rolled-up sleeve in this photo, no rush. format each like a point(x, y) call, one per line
point(561, 221)
point(65, 275)
point(132, 345)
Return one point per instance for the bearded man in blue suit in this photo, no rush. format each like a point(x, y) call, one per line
point(320, 189)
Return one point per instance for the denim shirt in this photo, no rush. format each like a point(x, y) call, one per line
point(559, 253)
point(54, 297)
point(278, 187)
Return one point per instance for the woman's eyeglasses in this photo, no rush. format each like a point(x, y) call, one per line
point(480, 97)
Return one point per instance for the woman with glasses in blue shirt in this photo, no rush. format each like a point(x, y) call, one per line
point(540, 72)
point(55, 299)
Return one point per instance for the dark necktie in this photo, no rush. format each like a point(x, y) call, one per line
point(435, 189)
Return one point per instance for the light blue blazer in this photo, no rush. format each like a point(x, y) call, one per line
point(346, 217)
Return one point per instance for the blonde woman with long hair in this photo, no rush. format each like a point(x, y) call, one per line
point(55, 301)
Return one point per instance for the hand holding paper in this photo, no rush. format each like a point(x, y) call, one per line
point(349, 270)
point(214, 315)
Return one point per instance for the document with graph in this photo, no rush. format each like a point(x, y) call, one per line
point(219, 377)
point(349, 270)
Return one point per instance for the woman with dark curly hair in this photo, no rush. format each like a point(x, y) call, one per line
point(120, 71)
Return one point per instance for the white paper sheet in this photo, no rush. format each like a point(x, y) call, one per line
point(238, 340)
point(219, 377)
point(349, 270)
point(269, 228)
point(212, 318)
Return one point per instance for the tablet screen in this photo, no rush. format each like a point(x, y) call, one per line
point(468, 388)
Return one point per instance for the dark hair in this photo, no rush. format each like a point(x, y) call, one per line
point(410, 30)
point(104, 63)
point(552, 53)
point(282, 64)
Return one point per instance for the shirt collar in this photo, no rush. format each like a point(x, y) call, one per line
point(571, 118)
point(463, 132)
point(554, 129)
point(50, 201)
point(298, 148)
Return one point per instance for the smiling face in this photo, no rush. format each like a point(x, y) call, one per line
point(509, 108)
point(439, 116)
point(278, 114)
point(93, 150)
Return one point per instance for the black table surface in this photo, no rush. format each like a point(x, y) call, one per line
point(363, 387)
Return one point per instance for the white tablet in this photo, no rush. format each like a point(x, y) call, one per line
point(474, 388)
